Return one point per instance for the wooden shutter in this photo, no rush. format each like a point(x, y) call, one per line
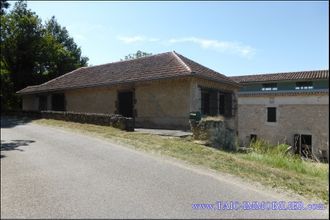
point(228, 104)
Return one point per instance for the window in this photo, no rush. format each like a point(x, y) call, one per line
point(304, 85)
point(228, 105)
point(269, 87)
point(221, 104)
point(205, 103)
point(271, 114)
point(215, 102)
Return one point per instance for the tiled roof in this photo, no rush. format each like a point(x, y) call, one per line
point(302, 75)
point(160, 66)
point(285, 93)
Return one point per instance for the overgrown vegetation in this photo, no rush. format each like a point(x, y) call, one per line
point(280, 156)
point(263, 147)
point(224, 139)
point(267, 166)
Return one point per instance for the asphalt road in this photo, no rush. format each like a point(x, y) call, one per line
point(51, 173)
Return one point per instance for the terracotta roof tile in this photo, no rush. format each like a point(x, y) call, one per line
point(160, 66)
point(302, 75)
point(285, 93)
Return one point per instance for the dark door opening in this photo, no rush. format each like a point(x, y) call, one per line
point(42, 103)
point(306, 145)
point(303, 145)
point(125, 103)
point(253, 138)
point(58, 102)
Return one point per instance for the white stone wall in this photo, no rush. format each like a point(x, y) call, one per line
point(295, 115)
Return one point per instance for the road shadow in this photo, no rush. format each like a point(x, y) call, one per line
point(12, 121)
point(13, 145)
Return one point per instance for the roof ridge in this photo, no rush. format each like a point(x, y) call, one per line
point(123, 61)
point(224, 77)
point(159, 66)
point(274, 73)
point(181, 61)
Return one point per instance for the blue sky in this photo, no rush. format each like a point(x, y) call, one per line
point(234, 38)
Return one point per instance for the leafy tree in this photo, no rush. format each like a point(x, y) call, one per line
point(61, 53)
point(136, 55)
point(3, 5)
point(21, 37)
point(33, 52)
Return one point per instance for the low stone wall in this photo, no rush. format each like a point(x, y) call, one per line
point(214, 132)
point(116, 121)
point(20, 113)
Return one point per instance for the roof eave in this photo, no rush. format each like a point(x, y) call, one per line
point(101, 85)
point(21, 92)
point(233, 83)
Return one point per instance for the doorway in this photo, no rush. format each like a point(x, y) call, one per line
point(58, 102)
point(42, 102)
point(125, 103)
point(303, 145)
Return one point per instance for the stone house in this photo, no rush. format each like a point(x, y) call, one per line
point(158, 91)
point(286, 107)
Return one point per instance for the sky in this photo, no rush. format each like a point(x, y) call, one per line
point(233, 38)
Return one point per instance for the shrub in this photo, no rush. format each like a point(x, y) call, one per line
point(223, 138)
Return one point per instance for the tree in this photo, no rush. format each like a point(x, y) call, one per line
point(33, 52)
point(136, 55)
point(3, 5)
point(21, 37)
point(62, 53)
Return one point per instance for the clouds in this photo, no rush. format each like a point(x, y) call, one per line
point(221, 46)
point(135, 39)
point(231, 47)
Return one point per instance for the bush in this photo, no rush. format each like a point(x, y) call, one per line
point(223, 138)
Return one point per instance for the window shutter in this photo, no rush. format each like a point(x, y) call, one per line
point(228, 105)
point(234, 104)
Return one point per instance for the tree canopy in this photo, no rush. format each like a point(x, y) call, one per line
point(136, 55)
point(32, 52)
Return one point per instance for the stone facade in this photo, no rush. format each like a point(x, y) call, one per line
point(30, 103)
point(163, 104)
point(116, 121)
point(157, 104)
point(91, 100)
point(195, 103)
point(215, 132)
point(305, 114)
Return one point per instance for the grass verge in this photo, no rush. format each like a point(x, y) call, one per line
point(305, 178)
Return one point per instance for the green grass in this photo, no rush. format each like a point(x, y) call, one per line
point(267, 166)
